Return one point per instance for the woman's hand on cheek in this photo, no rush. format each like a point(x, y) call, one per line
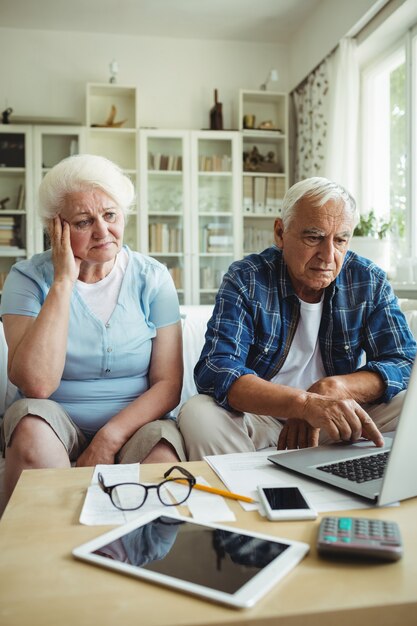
point(66, 265)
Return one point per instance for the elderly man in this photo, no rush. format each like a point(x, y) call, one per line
point(306, 343)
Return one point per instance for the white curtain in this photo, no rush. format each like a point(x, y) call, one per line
point(342, 149)
point(310, 120)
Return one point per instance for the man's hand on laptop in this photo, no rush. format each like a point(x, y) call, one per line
point(297, 434)
point(342, 419)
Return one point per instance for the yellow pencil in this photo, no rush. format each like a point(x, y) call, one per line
point(219, 492)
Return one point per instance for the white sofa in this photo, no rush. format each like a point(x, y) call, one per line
point(194, 323)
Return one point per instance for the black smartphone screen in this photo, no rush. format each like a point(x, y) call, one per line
point(283, 498)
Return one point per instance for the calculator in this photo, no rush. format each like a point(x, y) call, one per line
point(359, 537)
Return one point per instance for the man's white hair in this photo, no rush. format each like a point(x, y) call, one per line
point(319, 191)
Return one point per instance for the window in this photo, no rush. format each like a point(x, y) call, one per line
point(389, 144)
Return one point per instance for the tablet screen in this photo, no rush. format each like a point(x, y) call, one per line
point(212, 557)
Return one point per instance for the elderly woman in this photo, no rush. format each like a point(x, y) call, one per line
point(93, 334)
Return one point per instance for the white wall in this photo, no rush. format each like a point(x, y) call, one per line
point(44, 73)
point(320, 34)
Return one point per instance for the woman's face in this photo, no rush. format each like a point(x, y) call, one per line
point(96, 225)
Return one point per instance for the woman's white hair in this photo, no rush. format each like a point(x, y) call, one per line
point(80, 173)
point(319, 191)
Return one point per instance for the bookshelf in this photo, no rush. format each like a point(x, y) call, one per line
point(51, 144)
point(111, 131)
point(189, 206)
point(165, 230)
point(216, 209)
point(16, 196)
point(264, 164)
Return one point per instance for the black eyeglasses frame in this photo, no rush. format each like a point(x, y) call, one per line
point(187, 477)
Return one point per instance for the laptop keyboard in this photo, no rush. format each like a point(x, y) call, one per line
point(359, 470)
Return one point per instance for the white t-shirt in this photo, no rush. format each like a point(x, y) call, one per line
point(303, 365)
point(101, 297)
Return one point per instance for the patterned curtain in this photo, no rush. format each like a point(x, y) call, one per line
point(310, 104)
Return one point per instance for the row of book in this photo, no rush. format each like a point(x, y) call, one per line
point(215, 163)
point(210, 277)
point(263, 195)
point(256, 240)
point(217, 237)
point(165, 162)
point(176, 274)
point(7, 231)
point(3, 276)
point(164, 238)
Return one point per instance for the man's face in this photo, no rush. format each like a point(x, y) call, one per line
point(314, 245)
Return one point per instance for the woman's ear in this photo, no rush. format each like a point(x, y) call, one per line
point(49, 227)
point(278, 232)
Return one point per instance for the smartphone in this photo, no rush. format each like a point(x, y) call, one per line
point(285, 503)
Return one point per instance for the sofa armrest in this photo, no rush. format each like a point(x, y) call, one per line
point(194, 324)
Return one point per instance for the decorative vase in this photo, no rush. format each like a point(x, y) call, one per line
point(216, 114)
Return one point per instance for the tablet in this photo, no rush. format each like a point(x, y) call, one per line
point(220, 563)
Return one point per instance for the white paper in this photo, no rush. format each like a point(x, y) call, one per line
point(99, 510)
point(206, 507)
point(243, 472)
point(120, 473)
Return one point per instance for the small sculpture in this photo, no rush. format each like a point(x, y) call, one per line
point(254, 161)
point(110, 123)
point(266, 125)
point(6, 114)
point(3, 203)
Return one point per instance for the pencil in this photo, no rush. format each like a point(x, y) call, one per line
point(220, 492)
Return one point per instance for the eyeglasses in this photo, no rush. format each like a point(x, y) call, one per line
point(131, 496)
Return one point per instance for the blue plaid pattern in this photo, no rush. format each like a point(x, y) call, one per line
point(256, 314)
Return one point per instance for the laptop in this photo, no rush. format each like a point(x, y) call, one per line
point(382, 475)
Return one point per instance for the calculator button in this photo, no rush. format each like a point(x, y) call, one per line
point(345, 523)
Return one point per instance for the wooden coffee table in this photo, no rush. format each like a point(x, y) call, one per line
point(41, 584)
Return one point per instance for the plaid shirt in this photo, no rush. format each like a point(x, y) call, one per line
point(256, 315)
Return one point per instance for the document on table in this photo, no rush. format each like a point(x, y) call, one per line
point(244, 471)
point(98, 509)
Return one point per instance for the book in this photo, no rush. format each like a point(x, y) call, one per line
point(259, 194)
point(20, 198)
point(247, 194)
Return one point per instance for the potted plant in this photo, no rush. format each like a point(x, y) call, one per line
point(371, 239)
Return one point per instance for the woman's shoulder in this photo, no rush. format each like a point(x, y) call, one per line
point(145, 263)
point(38, 267)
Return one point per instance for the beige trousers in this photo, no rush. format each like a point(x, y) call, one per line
point(207, 428)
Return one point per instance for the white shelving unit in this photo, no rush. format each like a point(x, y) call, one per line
point(51, 144)
point(205, 197)
point(216, 203)
point(189, 206)
point(264, 164)
point(16, 196)
point(165, 228)
point(117, 142)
